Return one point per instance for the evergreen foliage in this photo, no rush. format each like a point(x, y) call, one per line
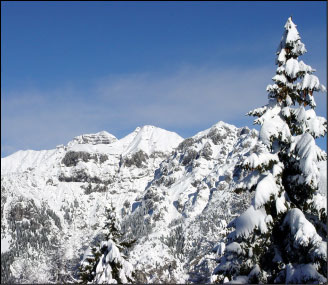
point(281, 237)
point(31, 228)
point(106, 263)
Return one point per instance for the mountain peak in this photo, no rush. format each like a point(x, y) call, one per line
point(102, 137)
point(214, 128)
point(151, 139)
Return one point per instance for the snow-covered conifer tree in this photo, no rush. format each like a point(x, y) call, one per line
point(107, 264)
point(282, 237)
point(87, 269)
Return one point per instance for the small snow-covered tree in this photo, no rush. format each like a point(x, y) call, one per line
point(107, 263)
point(282, 237)
point(88, 265)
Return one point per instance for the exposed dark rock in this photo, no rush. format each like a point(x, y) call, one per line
point(82, 176)
point(72, 158)
point(245, 131)
point(138, 159)
point(207, 151)
point(216, 136)
point(189, 156)
point(97, 188)
point(165, 180)
point(186, 143)
point(157, 154)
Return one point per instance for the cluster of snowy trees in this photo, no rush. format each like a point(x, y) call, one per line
point(282, 236)
point(32, 229)
point(106, 263)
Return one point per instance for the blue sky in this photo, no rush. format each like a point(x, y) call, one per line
point(80, 67)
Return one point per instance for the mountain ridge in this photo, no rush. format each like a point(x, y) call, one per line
point(171, 195)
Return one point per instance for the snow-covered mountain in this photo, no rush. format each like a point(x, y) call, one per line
point(174, 196)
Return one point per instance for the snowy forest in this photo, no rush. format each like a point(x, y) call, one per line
point(228, 205)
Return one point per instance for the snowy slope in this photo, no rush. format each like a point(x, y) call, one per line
point(151, 139)
point(22, 160)
point(186, 203)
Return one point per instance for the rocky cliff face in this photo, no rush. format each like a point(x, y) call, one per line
point(173, 196)
point(98, 138)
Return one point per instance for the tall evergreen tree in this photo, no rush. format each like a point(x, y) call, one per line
point(107, 263)
point(282, 237)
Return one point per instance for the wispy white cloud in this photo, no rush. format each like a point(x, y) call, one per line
point(190, 98)
point(187, 97)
